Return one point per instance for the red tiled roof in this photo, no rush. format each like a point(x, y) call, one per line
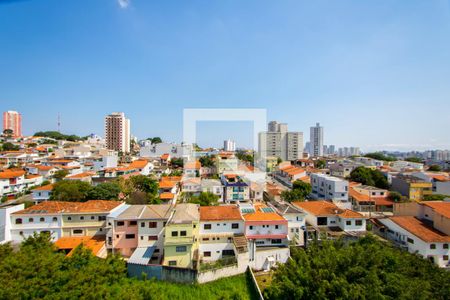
point(138, 164)
point(420, 229)
point(47, 187)
point(259, 215)
point(442, 208)
point(52, 207)
point(193, 165)
point(94, 243)
point(81, 175)
point(166, 196)
point(225, 212)
point(8, 174)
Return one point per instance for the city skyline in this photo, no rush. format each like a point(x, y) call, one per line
point(366, 73)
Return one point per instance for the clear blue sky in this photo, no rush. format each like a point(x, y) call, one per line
point(376, 74)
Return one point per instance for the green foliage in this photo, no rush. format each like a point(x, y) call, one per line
point(380, 156)
point(60, 174)
point(204, 199)
point(140, 189)
point(370, 177)
point(10, 147)
point(48, 141)
point(366, 269)
point(434, 197)
point(279, 160)
point(177, 162)
point(320, 164)
point(8, 132)
point(58, 136)
point(395, 196)
point(71, 190)
point(37, 271)
point(414, 159)
point(207, 161)
point(435, 168)
point(155, 140)
point(299, 191)
point(104, 191)
point(245, 156)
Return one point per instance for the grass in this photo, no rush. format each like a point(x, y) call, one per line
point(264, 280)
point(235, 287)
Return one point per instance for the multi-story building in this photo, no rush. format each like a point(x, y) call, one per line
point(139, 226)
point(330, 188)
point(5, 220)
point(62, 219)
point(218, 227)
point(296, 218)
point(412, 187)
point(12, 182)
point(316, 140)
point(440, 181)
point(369, 198)
point(417, 236)
point(12, 120)
point(235, 189)
point(171, 150)
point(226, 162)
point(280, 142)
point(117, 132)
point(229, 146)
point(181, 237)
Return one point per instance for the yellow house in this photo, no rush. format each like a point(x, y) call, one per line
point(87, 218)
point(181, 237)
point(412, 187)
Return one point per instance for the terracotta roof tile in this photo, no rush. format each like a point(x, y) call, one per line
point(442, 208)
point(225, 212)
point(420, 229)
point(54, 207)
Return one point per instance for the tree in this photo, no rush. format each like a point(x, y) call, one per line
point(304, 187)
point(320, 163)
point(58, 136)
point(10, 147)
point(155, 140)
point(177, 162)
point(380, 156)
point(104, 191)
point(370, 177)
point(279, 160)
point(140, 189)
point(71, 190)
point(365, 269)
point(204, 199)
point(434, 168)
point(414, 159)
point(434, 197)
point(60, 174)
point(395, 196)
point(292, 196)
point(207, 161)
point(245, 156)
point(8, 132)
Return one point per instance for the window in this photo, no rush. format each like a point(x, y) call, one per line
point(409, 240)
point(152, 237)
point(358, 222)
point(30, 220)
point(207, 226)
point(445, 257)
point(55, 219)
point(227, 252)
point(42, 220)
point(348, 223)
point(156, 250)
point(117, 236)
point(130, 236)
point(120, 223)
point(445, 246)
point(181, 249)
point(183, 233)
point(69, 218)
point(174, 233)
point(142, 224)
point(152, 224)
point(142, 237)
point(18, 221)
point(81, 218)
point(251, 227)
point(276, 241)
point(77, 231)
point(172, 262)
point(207, 254)
point(432, 246)
point(92, 217)
point(277, 226)
point(133, 223)
point(102, 218)
point(235, 225)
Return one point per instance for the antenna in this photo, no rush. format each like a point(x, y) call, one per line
point(59, 123)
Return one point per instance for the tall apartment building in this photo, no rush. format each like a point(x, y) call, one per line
point(117, 132)
point(280, 142)
point(13, 120)
point(229, 145)
point(316, 140)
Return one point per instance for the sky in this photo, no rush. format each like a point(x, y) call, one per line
point(375, 74)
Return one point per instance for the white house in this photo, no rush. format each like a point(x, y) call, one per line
point(42, 193)
point(416, 236)
point(296, 218)
point(5, 220)
point(332, 188)
point(218, 227)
